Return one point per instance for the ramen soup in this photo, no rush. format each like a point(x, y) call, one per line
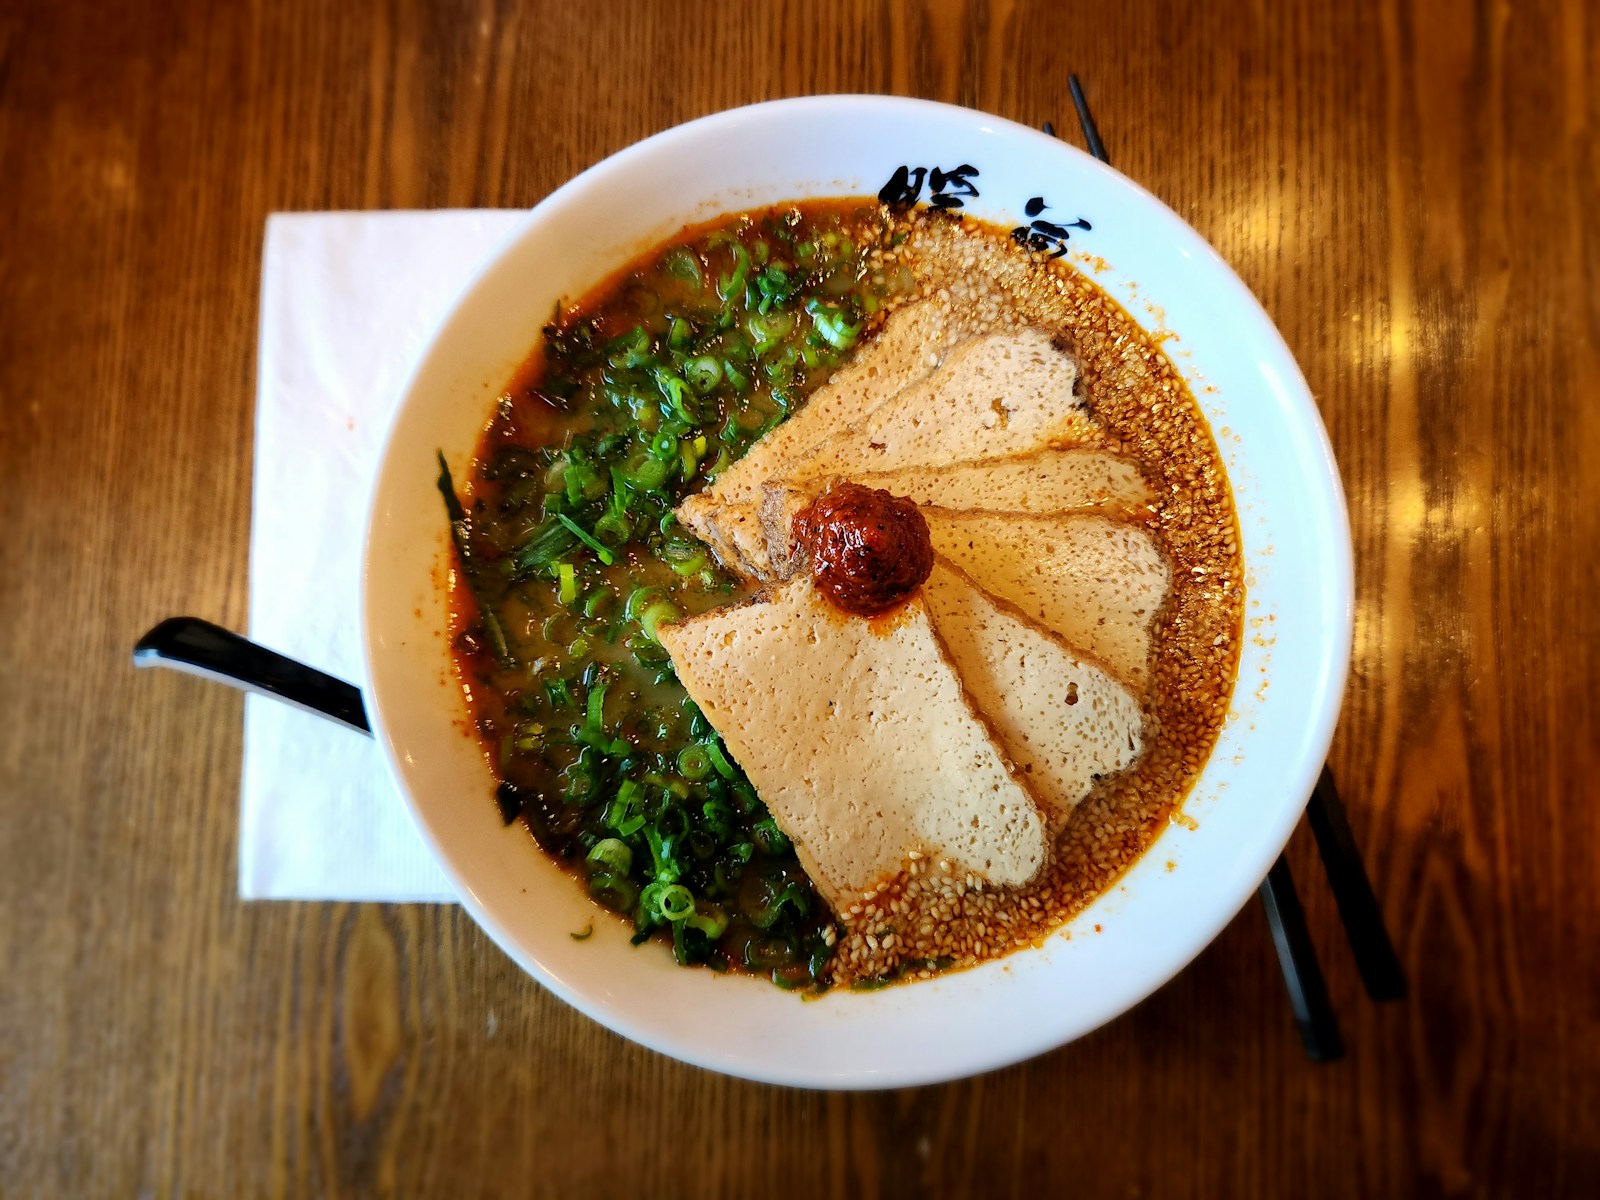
point(827, 399)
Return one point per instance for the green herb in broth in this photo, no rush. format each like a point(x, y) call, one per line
point(570, 559)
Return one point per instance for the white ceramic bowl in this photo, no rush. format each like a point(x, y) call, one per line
point(1296, 545)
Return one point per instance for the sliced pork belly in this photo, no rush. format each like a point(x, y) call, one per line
point(1062, 719)
point(997, 396)
point(1097, 583)
point(1052, 481)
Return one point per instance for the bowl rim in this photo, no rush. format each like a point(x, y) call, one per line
point(1331, 674)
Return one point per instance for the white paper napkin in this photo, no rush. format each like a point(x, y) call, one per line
point(347, 303)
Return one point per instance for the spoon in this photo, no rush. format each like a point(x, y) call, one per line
point(198, 647)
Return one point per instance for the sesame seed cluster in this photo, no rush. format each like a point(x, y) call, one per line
point(928, 918)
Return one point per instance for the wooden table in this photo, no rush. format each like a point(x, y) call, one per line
point(1412, 191)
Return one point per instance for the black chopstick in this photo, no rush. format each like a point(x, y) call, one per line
point(1308, 995)
point(1297, 956)
point(1091, 133)
point(1364, 926)
point(1352, 892)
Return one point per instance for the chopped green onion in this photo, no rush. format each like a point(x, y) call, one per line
point(791, 895)
point(587, 538)
point(769, 330)
point(579, 783)
point(498, 644)
point(694, 763)
point(625, 814)
point(497, 640)
point(648, 654)
point(642, 598)
point(780, 369)
point(748, 801)
point(614, 528)
point(732, 285)
point(675, 902)
point(569, 583)
point(709, 920)
point(703, 373)
point(549, 542)
point(582, 482)
point(676, 392)
point(447, 488)
point(698, 725)
point(692, 566)
point(679, 548)
point(724, 461)
point(774, 286)
point(664, 863)
point(718, 816)
point(589, 735)
point(737, 378)
point(612, 854)
point(632, 349)
point(718, 759)
point(766, 954)
point(596, 708)
point(684, 264)
point(833, 325)
point(769, 837)
point(655, 615)
point(666, 877)
point(616, 892)
point(649, 475)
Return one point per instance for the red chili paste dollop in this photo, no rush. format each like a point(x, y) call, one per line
point(869, 550)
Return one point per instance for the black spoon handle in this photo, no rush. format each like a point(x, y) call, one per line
point(1352, 891)
point(1308, 994)
point(200, 648)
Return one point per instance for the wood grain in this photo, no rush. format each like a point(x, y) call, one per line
point(1410, 187)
